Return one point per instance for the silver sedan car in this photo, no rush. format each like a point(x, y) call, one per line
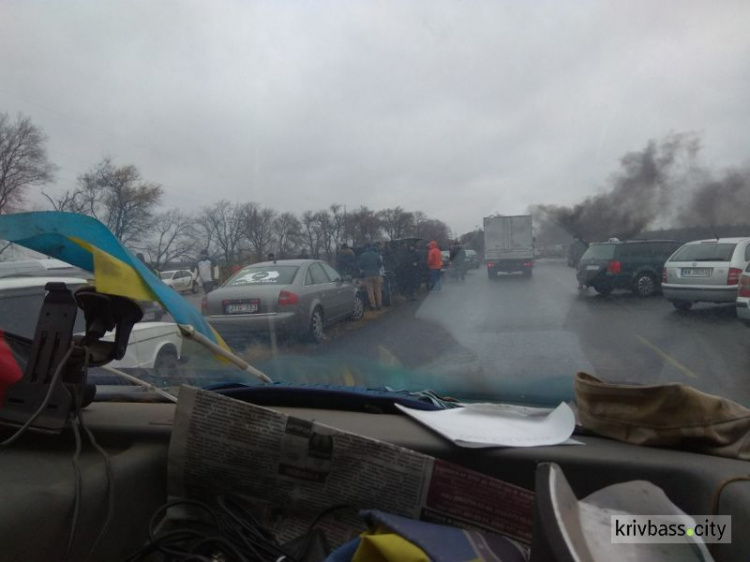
point(299, 297)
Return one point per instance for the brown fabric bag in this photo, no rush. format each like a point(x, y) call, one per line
point(668, 415)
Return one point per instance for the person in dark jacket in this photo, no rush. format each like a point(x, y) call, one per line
point(412, 272)
point(346, 261)
point(458, 261)
point(371, 263)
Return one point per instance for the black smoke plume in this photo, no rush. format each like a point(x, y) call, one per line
point(639, 195)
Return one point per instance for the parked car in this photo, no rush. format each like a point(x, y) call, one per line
point(181, 280)
point(152, 345)
point(706, 271)
point(472, 259)
point(47, 267)
point(743, 297)
point(299, 297)
point(632, 265)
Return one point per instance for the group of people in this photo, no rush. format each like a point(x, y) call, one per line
point(411, 266)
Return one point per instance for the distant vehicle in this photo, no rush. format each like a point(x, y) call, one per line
point(152, 345)
point(705, 271)
point(743, 297)
point(446, 254)
point(48, 268)
point(632, 265)
point(508, 245)
point(181, 280)
point(299, 297)
point(472, 259)
point(41, 268)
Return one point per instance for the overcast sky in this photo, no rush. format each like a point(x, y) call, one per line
point(459, 109)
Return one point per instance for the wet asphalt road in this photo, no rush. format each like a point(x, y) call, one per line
point(517, 332)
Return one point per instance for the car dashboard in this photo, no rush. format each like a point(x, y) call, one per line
point(37, 498)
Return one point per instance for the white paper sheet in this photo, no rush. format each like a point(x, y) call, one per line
point(491, 425)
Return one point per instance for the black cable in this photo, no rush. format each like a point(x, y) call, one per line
point(218, 541)
point(263, 537)
point(236, 534)
point(77, 500)
point(55, 377)
point(302, 550)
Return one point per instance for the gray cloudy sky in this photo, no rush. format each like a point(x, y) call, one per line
point(456, 108)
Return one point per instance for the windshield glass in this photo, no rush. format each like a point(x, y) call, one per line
point(705, 251)
point(269, 275)
point(304, 176)
point(600, 252)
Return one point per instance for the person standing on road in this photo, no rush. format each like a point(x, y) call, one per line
point(346, 261)
point(205, 272)
point(435, 263)
point(412, 272)
point(370, 263)
point(458, 260)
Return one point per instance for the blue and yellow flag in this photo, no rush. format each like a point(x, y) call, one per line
point(86, 243)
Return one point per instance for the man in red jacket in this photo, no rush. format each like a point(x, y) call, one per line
point(435, 263)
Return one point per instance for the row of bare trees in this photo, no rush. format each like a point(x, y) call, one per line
point(231, 232)
point(235, 232)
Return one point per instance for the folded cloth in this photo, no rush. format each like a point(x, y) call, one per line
point(397, 539)
point(668, 415)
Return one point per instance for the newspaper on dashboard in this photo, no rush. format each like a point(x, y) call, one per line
point(292, 469)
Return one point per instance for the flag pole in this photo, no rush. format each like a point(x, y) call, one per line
point(190, 333)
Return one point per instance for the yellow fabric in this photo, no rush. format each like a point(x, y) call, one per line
point(383, 545)
point(113, 277)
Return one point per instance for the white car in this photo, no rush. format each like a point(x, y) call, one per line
point(181, 280)
point(152, 345)
point(705, 271)
point(743, 298)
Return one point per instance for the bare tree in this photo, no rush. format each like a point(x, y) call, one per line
point(288, 231)
point(172, 239)
point(23, 160)
point(396, 222)
point(72, 200)
point(432, 229)
point(311, 234)
point(258, 228)
point(224, 228)
point(115, 195)
point(364, 225)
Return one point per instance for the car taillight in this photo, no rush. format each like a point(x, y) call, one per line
point(287, 298)
point(204, 305)
point(663, 274)
point(528, 264)
point(614, 267)
point(744, 286)
point(490, 264)
point(734, 276)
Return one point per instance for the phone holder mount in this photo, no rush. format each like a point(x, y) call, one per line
point(53, 340)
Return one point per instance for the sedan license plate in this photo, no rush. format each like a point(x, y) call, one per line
point(242, 307)
point(696, 272)
point(148, 317)
point(592, 268)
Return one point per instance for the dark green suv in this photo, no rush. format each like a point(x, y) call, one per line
point(632, 265)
